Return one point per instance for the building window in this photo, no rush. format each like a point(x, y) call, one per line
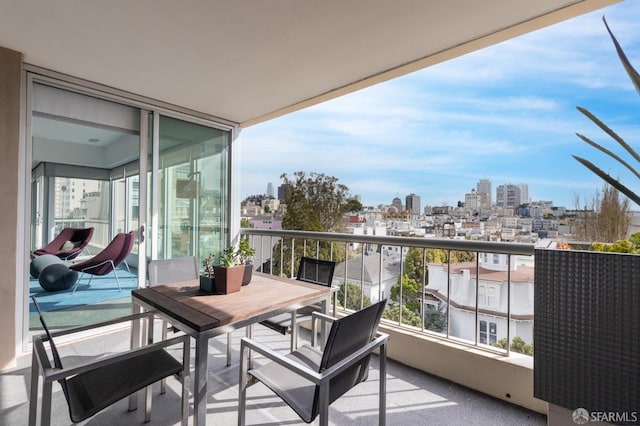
point(493, 333)
point(489, 336)
point(492, 297)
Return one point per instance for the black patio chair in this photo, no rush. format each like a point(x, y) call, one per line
point(98, 383)
point(313, 271)
point(309, 379)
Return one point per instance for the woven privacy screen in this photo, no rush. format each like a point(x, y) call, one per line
point(587, 330)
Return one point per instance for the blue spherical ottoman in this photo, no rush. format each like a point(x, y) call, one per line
point(39, 263)
point(57, 277)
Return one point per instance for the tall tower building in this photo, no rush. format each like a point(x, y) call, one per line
point(508, 196)
point(484, 187)
point(524, 193)
point(270, 189)
point(412, 202)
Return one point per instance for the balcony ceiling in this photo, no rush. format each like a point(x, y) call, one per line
point(249, 61)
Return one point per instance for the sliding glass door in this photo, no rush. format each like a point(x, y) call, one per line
point(192, 180)
point(87, 154)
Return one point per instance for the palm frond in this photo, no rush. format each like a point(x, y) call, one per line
point(631, 71)
point(609, 153)
point(609, 179)
point(610, 132)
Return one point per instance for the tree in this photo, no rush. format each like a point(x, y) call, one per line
point(353, 205)
point(635, 79)
point(517, 345)
point(355, 300)
point(408, 317)
point(606, 219)
point(435, 318)
point(410, 294)
point(315, 202)
point(245, 223)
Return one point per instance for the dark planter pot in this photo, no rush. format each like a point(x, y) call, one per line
point(587, 330)
point(228, 280)
point(248, 273)
point(207, 284)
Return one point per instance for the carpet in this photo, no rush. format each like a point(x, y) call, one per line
point(102, 288)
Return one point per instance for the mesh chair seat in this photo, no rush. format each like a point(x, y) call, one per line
point(95, 390)
point(294, 389)
point(95, 384)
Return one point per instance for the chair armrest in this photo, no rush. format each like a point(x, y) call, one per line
point(307, 373)
point(53, 374)
point(295, 367)
point(79, 329)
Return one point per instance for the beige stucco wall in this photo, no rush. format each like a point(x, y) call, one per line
point(507, 378)
point(10, 75)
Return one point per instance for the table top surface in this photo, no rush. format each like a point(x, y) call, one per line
point(201, 311)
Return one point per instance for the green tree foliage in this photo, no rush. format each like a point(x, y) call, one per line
point(517, 345)
point(315, 202)
point(245, 223)
point(635, 79)
point(410, 294)
point(353, 205)
point(632, 245)
point(408, 317)
point(354, 297)
point(435, 319)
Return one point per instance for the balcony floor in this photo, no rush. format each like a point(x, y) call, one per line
point(413, 397)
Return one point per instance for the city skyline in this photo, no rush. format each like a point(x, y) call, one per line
point(506, 113)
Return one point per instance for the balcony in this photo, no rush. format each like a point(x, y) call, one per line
point(437, 373)
point(462, 351)
point(413, 396)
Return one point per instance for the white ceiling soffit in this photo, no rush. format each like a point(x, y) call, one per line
point(248, 61)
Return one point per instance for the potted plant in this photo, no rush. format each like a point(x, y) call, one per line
point(228, 274)
point(207, 282)
point(246, 253)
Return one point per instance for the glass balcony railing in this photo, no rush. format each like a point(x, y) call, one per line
point(471, 292)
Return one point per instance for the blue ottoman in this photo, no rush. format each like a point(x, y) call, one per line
point(39, 263)
point(57, 277)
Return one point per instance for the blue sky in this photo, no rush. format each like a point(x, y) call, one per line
point(506, 113)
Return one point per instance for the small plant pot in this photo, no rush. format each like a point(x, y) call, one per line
point(248, 273)
point(228, 280)
point(207, 284)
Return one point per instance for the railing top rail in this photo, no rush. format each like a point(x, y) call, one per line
point(461, 245)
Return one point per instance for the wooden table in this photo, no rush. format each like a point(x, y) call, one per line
point(203, 315)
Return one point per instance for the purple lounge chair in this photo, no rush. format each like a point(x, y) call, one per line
point(68, 244)
point(108, 259)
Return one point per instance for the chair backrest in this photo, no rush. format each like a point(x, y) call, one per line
point(57, 361)
point(316, 271)
point(347, 335)
point(130, 238)
point(78, 237)
point(173, 270)
point(115, 250)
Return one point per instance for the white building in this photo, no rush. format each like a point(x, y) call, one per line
point(492, 297)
